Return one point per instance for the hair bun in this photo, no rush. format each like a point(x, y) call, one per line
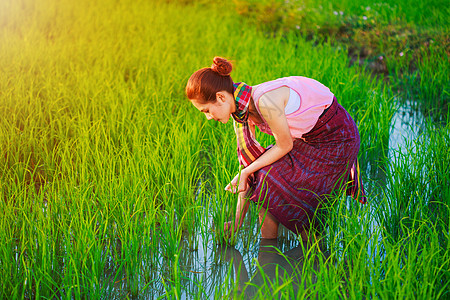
point(221, 66)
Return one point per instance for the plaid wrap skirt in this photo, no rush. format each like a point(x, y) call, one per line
point(294, 187)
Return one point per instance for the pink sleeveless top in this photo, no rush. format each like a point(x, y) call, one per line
point(314, 99)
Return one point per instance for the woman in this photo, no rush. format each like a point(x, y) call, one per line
point(315, 151)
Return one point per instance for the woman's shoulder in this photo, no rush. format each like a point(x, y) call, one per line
point(297, 83)
point(279, 82)
point(271, 96)
point(279, 86)
point(286, 81)
point(262, 88)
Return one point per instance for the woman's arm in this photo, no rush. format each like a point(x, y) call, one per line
point(241, 210)
point(271, 106)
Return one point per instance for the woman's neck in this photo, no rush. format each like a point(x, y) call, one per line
point(253, 113)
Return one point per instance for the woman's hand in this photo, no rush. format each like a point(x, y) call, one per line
point(239, 183)
point(228, 228)
point(242, 206)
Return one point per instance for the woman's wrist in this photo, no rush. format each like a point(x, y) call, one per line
point(246, 172)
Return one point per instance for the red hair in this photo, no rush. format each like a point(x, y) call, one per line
point(205, 83)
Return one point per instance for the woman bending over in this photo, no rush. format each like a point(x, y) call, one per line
point(315, 151)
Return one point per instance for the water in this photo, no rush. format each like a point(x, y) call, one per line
point(406, 126)
point(281, 258)
point(212, 268)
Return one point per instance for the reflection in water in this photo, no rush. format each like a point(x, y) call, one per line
point(209, 271)
point(273, 266)
point(406, 126)
point(214, 271)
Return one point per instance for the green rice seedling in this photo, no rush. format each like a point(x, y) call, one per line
point(427, 86)
point(413, 180)
point(413, 259)
point(170, 234)
point(171, 245)
point(251, 228)
point(438, 206)
point(150, 256)
point(174, 290)
point(225, 287)
point(434, 82)
point(221, 203)
point(375, 135)
point(404, 204)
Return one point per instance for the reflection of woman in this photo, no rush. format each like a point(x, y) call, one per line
point(316, 143)
point(276, 266)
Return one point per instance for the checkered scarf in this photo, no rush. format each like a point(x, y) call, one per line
point(248, 149)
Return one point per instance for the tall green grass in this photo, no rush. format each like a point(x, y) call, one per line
point(112, 183)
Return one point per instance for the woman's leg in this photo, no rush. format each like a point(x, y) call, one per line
point(269, 224)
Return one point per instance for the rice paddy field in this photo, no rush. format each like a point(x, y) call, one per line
point(112, 184)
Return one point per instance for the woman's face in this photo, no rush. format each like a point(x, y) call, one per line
point(220, 110)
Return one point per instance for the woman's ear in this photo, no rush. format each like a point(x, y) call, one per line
point(220, 96)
